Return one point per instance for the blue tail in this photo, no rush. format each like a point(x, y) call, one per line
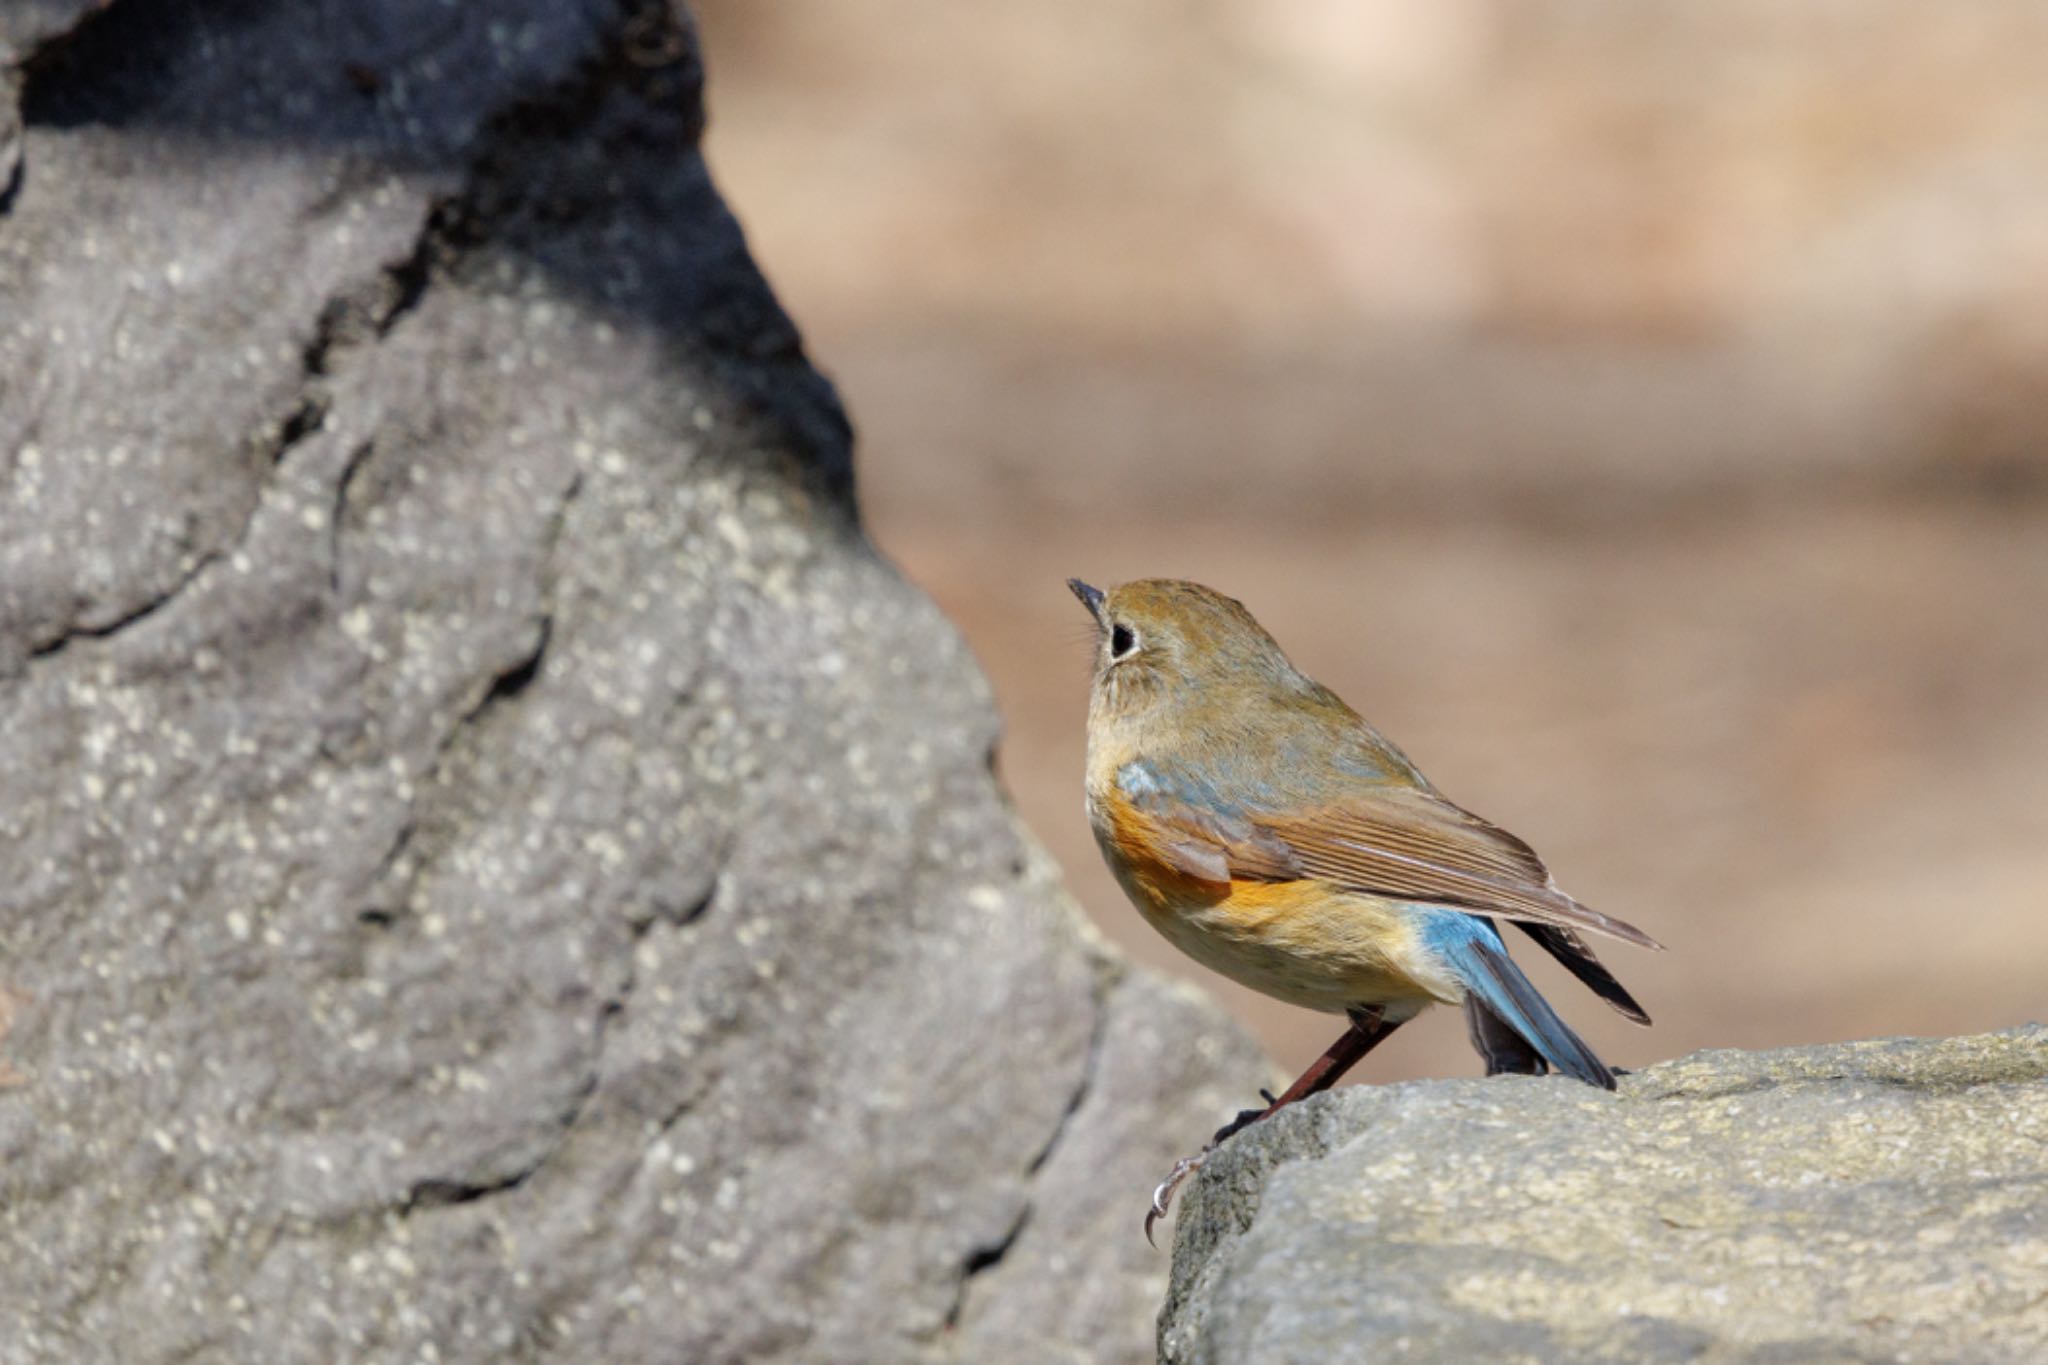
point(1472, 948)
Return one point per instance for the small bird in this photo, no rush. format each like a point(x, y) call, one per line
point(1274, 836)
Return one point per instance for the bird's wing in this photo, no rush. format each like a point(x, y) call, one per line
point(1201, 842)
point(1402, 842)
point(1413, 844)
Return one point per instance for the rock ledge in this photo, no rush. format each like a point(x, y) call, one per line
point(1866, 1201)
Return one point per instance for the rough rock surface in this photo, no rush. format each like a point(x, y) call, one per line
point(492, 864)
point(1863, 1202)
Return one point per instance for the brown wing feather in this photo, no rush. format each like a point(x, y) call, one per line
point(1204, 846)
point(1416, 845)
point(1400, 842)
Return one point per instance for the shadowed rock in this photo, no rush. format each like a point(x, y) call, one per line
point(1867, 1201)
point(491, 861)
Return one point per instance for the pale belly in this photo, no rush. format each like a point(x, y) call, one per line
point(1306, 945)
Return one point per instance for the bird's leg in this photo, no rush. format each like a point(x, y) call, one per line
point(1368, 1027)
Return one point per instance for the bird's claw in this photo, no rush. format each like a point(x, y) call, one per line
point(1162, 1197)
point(1245, 1119)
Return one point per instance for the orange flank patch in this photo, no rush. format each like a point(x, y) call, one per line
point(1317, 923)
point(1150, 872)
point(1257, 903)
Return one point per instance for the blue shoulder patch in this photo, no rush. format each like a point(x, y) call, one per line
point(1222, 804)
point(1136, 779)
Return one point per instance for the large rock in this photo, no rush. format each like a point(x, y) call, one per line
point(492, 864)
point(1865, 1202)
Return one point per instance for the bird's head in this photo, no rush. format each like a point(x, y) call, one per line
point(1162, 643)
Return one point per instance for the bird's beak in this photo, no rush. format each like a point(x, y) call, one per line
point(1091, 598)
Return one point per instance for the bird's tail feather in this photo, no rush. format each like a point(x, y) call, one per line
point(1568, 947)
point(1475, 952)
point(1506, 1052)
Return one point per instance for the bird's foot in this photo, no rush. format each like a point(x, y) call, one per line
point(1162, 1197)
point(1245, 1119)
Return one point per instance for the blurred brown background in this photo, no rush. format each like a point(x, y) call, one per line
point(1639, 413)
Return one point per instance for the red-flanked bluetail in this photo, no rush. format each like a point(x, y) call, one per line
point(1274, 836)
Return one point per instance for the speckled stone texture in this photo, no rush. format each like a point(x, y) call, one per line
point(492, 864)
point(1883, 1201)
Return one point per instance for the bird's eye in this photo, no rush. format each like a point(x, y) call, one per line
point(1121, 641)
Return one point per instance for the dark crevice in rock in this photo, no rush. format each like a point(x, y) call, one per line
point(983, 1259)
point(516, 679)
point(678, 915)
point(357, 458)
point(407, 279)
point(11, 173)
point(366, 314)
point(305, 419)
point(676, 912)
point(674, 1114)
point(133, 617)
point(308, 417)
point(513, 681)
point(369, 310)
point(652, 55)
point(506, 686)
point(386, 911)
point(440, 1192)
point(328, 329)
point(1098, 1029)
point(682, 915)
